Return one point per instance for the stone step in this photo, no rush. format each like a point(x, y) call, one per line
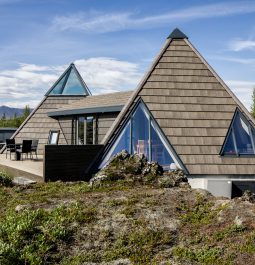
point(23, 181)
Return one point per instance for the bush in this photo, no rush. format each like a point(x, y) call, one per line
point(5, 179)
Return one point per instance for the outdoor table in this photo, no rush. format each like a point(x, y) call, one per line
point(17, 154)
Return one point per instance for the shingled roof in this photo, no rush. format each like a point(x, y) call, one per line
point(93, 104)
point(192, 106)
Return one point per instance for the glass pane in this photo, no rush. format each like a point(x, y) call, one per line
point(242, 136)
point(122, 143)
point(159, 153)
point(73, 85)
point(81, 121)
point(140, 132)
point(54, 138)
point(89, 130)
point(229, 148)
point(57, 90)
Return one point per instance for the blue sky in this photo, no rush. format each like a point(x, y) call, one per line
point(114, 42)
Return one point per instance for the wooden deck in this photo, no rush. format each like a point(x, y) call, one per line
point(31, 169)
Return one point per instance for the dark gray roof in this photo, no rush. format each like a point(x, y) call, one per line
point(177, 34)
point(112, 102)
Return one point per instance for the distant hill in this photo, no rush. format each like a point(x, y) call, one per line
point(9, 112)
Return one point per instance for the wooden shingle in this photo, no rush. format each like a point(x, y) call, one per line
point(193, 107)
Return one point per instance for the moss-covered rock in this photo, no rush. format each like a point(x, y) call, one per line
point(136, 168)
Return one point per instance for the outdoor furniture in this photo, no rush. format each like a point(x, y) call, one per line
point(34, 147)
point(24, 149)
point(10, 146)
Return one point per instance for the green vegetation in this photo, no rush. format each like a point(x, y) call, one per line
point(140, 223)
point(139, 245)
point(201, 212)
point(15, 121)
point(203, 256)
point(30, 236)
point(5, 179)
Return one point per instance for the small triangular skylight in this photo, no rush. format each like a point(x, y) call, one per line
point(141, 135)
point(240, 138)
point(70, 83)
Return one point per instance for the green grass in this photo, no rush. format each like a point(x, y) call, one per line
point(206, 255)
point(33, 236)
point(202, 212)
point(139, 245)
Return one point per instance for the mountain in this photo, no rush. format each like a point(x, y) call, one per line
point(9, 112)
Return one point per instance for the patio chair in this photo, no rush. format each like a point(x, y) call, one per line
point(10, 146)
point(34, 147)
point(25, 149)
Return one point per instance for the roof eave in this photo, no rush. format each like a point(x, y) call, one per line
point(70, 112)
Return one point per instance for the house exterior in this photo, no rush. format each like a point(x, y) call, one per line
point(69, 107)
point(182, 114)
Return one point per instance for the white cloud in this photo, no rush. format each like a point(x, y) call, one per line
point(108, 75)
point(243, 90)
point(27, 84)
point(235, 60)
point(239, 45)
point(96, 22)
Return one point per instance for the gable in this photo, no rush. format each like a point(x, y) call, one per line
point(193, 108)
point(69, 83)
point(140, 134)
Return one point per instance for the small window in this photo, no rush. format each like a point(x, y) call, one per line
point(70, 83)
point(53, 137)
point(84, 130)
point(89, 130)
point(81, 132)
point(240, 138)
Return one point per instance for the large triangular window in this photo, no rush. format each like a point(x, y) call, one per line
point(70, 83)
point(240, 138)
point(141, 135)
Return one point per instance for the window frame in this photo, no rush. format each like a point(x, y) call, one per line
point(50, 137)
point(163, 138)
point(232, 131)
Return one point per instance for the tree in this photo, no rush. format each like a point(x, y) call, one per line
point(3, 117)
point(26, 112)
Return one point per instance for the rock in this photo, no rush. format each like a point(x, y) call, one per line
point(172, 179)
point(136, 168)
point(20, 207)
point(248, 196)
point(152, 168)
point(238, 221)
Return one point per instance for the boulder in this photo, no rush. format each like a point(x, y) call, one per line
point(135, 168)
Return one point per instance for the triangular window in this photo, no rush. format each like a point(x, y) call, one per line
point(141, 135)
point(240, 138)
point(70, 83)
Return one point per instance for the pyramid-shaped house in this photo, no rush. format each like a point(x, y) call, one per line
point(182, 114)
point(69, 88)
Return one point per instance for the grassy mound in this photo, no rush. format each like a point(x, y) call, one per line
point(74, 223)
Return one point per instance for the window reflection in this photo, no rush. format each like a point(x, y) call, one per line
point(159, 152)
point(240, 139)
point(140, 133)
point(145, 139)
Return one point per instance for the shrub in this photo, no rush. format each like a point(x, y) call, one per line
point(5, 179)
